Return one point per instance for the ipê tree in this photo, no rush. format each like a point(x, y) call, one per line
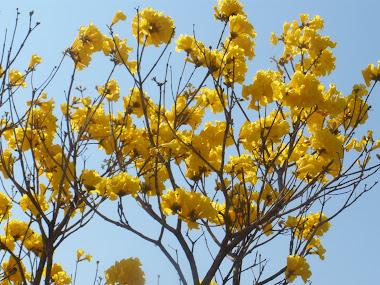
point(222, 164)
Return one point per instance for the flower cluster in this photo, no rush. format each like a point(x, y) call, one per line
point(266, 143)
point(371, 73)
point(5, 206)
point(297, 266)
point(229, 61)
point(59, 276)
point(12, 272)
point(152, 28)
point(18, 232)
point(189, 206)
point(310, 228)
point(90, 40)
point(127, 272)
point(118, 51)
point(80, 257)
point(111, 90)
point(227, 8)
point(16, 78)
point(303, 39)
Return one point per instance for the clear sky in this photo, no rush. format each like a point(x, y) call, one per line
point(352, 245)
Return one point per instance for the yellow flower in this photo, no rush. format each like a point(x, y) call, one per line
point(7, 241)
point(214, 61)
point(315, 247)
point(210, 98)
point(371, 73)
point(271, 129)
point(244, 42)
point(325, 64)
point(16, 78)
point(273, 39)
point(111, 90)
point(35, 59)
point(304, 18)
point(354, 144)
point(152, 28)
point(59, 276)
point(309, 225)
point(6, 163)
point(34, 243)
point(243, 167)
point(227, 8)
point(261, 90)
point(12, 271)
point(316, 23)
point(182, 114)
point(118, 16)
point(80, 253)
point(18, 230)
point(356, 109)
point(123, 184)
point(239, 25)
point(186, 43)
point(118, 54)
point(189, 206)
point(88, 41)
point(297, 266)
point(90, 178)
point(328, 145)
point(303, 91)
point(126, 272)
point(27, 204)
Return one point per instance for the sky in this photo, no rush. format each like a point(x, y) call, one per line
point(352, 242)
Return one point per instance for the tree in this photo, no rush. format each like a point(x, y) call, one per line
point(217, 161)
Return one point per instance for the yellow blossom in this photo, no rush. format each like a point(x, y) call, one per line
point(27, 204)
point(6, 163)
point(273, 39)
point(119, 15)
point(152, 28)
point(186, 43)
point(35, 59)
point(118, 51)
point(111, 90)
point(239, 25)
point(88, 41)
point(371, 73)
point(189, 206)
point(297, 266)
point(126, 272)
point(304, 18)
point(260, 91)
point(227, 8)
point(59, 276)
point(13, 271)
point(7, 241)
point(16, 78)
point(80, 253)
point(5, 207)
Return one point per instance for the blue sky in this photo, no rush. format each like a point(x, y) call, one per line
point(352, 242)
